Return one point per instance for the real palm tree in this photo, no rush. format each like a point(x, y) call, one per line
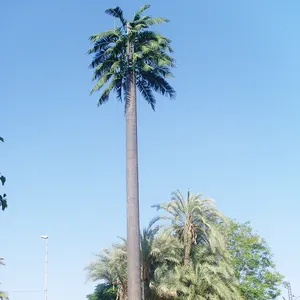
point(127, 57)
point(193, 220)
point(111, 267)
point(205, 271)
point(157, 251)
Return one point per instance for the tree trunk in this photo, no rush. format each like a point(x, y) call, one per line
point(187, 247)
point(146, 291)
point(132, 190)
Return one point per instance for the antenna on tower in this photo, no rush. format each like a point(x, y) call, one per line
point(287, 285)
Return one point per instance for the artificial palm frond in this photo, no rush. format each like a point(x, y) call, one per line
point(117, 13)
point(147, 64)
point(137, 15)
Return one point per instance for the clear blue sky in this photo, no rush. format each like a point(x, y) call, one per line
point(233, 132)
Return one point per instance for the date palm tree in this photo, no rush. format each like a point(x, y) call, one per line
point(111, 267)
point(157, 251)
point(205, 271)
point(194, 221)
point(126, 57)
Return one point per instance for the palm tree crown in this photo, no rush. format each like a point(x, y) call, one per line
point(131, 49)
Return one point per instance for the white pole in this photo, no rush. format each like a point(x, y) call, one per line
point(46, 271)
point(45, 237)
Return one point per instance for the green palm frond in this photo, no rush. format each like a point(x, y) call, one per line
point(110, 265)
point(146, 92)
point(158, 83)
point(106, 92)
point(205, 278)
point(148, 21)
point(148, 67)
point(103, 68)
point(117, 13)
point(105, 37)
point(101, 82)
point(137, 15)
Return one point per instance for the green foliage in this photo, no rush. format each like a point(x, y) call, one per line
point(111, 267)
point(3, 295)
point(131, 53)
point(253, 263)
point(193, 225)
point(158, 250)
point(3, 201)
point(103, 291)
point(207, 276)
point(226, 260)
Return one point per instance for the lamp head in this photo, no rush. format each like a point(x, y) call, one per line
point(45, 237)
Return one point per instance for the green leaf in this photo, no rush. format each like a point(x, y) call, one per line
point(117, 13)
point(146, 92)
point(253, 262)
point(2, 179)
point(158, 83)
point(101, 82)
point(3, 202)
point(137, 16)
point(105, 36)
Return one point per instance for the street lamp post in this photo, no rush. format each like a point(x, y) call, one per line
point(45, 237)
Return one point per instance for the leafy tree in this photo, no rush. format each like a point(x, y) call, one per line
point(103, 291)
point(126, 57)
point(3, 201)
point(253, 263)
